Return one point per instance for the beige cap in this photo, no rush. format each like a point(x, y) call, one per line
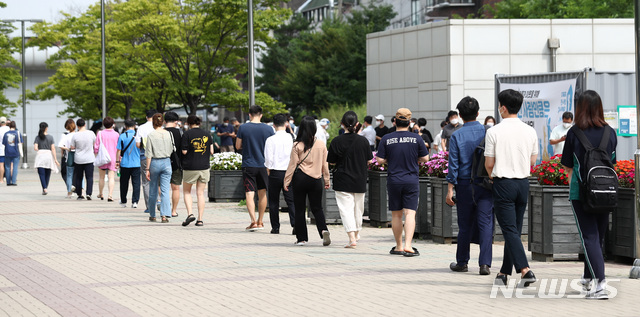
point(403, 114)
point(3, 119)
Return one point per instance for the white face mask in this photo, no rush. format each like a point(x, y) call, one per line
point(225, 124)
point(290, 121)
point(454, 121)
point(567, 125)
point(490, 124)
point(411, 125)
point(378, 122)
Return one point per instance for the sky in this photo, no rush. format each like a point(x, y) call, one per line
point(47, 10)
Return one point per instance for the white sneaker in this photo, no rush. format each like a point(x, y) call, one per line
point(134, 205)
point(326, 238)
point(599, 294)
point(586, 284)
point(300, 243)
point(123, 205)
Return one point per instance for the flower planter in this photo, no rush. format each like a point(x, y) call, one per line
point(226, 186)
point(379, 213)
point(622, 230)
point(552, 225)
point(444, 217)
point(423, 214)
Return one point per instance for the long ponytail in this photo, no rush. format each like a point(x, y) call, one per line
point(43, 127)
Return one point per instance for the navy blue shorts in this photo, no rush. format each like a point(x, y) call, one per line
point(1, 161)
point(403, 196)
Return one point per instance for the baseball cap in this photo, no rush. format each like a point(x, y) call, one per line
point(3, 119)
point(324, 121)
point(403, 114)
point(380, 117)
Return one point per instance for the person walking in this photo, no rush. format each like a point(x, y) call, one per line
point(251, 138)
point(381, 129)
point(141, 139)
point(67, 155)
point(403, 150)
point(453, 125)
point(128, 162)
point(197, 148)
point(82, 143)
point(46, 160)
point(226, 132)
point(3, 129)
point(592, 227)
point(351, 154)
point(475, 204)
point(12, 141)
point(158, 148)
point(511, 148)
point(308, 174)
point(109, 138)
point(277, 153)
point(170, 124)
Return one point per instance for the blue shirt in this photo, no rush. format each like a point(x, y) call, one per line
point(225, 139)
point(11, 142)
point(131, 157)
point(402, 149)
point(462, 145)
point(254, 136)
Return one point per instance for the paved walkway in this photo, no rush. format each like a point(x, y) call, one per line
point(93, 258)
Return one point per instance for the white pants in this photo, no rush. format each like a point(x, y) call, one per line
point(351, 206)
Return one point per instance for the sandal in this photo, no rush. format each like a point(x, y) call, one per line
point(351, 245)
point(252, 227)
point(110, 198)
point(100, 196)
point(260, 226)
point(199, 223)
point(164, 219)
point(190, 218)
point(409, 253)
point(152, 219)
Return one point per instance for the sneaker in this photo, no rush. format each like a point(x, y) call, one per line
point(146, 211)
point(275, 231)
point(123, 205)
point(80, 198)
point(134, 205)
point(599, 294)
point(88, 197)
point(586, 284)
point(73, 188)
point(300, 243)
point(326, 238)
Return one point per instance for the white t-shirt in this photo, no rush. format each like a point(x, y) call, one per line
point(141, 137)
point(370, 134)
point(437, 140)
point(321, 133)
point(65, 141)
point(557, 133)
point(3, 130)
point(512, 143)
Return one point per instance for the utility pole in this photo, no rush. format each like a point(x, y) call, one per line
point(104, 75)
point(252, 93)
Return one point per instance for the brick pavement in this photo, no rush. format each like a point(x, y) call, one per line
point(93, 258)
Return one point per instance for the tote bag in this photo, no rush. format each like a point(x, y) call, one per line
point(103, 157)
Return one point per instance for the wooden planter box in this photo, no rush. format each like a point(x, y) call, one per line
point(226, 186)
point(552, 225)
point(622, 229)
point(444, 223)
point(423, 214)
point(379, 213)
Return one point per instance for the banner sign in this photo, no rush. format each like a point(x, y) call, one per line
point(627, 121)
point(542, 108)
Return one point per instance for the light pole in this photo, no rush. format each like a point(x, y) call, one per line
point(25, 163)
point(252, 96)
point(104, 76)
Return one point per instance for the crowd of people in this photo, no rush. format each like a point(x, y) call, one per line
point(158, 158)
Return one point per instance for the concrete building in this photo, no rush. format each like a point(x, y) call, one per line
point(428, 68)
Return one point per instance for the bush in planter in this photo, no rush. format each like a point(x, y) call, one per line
point(626, 173)
point(551, 172)
point(375, 165)
point(227, 161)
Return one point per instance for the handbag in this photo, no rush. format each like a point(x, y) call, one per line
point(102, 158)
point(175, 159)
point(70, 157)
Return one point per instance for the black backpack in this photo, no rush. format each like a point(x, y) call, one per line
point(599, 189)
point(479, 174)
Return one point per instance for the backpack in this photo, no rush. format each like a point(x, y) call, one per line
point(479, 174)
point(599, 189)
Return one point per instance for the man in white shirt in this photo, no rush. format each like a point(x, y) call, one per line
point(3, 129)
point(437, 140)
point(141, 139)
point(559, 133)
point(511, 148)
point(277, 152)
point(321, 133)
point(369, 132)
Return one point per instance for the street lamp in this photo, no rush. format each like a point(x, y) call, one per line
point(252, 96)
point(25, 163)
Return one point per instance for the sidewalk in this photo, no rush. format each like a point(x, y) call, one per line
point(93, 258)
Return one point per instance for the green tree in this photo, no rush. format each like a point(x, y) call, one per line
point(9, 66)
point(561, 9)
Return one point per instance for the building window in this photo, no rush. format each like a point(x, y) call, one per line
point(415, 12)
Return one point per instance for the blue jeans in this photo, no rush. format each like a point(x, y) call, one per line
point(45, 176)
point(160, 170)
point(11, 174)
point(510, 202)
point(475, 218)
point(69, 179)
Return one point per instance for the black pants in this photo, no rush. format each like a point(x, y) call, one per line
point(63, 169)
point(306, 186)
point(509, 203)
point(78, 171)
point(276, 181)
point(592, 228)
point(125, 174)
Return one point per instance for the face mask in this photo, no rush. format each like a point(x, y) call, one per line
point(290, 121)
point(411, 125)
point(490, 124)
point(454, 121)
point(225, 124)
point(378, 122)
point(343, 128)
point(567, 125)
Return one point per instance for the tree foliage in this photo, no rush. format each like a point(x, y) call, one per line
point(9, 67)
point(561, 9)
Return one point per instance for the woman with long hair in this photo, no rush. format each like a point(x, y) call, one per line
point(109, 138)
point(64, 145)
point(589, 123)
point(351, 153)
point(308, 173)
point(158, 149)
point(44, 145)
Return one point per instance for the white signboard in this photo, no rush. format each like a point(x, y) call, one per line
point(542, 108)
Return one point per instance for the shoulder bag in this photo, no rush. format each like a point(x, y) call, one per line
point(102, 158)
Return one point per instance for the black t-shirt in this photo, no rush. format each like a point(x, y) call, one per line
point(177, 138)
point(198, 143)
point(381, 132)
point(350, 152)
point(573, 149)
